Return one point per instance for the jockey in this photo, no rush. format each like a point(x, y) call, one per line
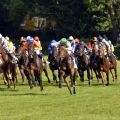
point(76, 41)
point(37, 46)
point(65, 42)
point(3, 42)
point(52, 43)
point(71, 42)
point(111, 47)
point(10, 45)
point(37, 41)
point(11, 48)
point(103, 42)
point(95, 44)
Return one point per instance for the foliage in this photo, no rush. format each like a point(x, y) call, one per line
point(85, 17)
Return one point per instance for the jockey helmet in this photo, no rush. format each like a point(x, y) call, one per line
point(22, 39)
point(63, 41)
point(53, 41)
point(28, 37)
point(81, 43)
point(94, 39)
point(7, 38)
point(109, 42)
point(100, 38)
point(36, 38)
point(31, 40)
point(71, 38)
point(77, 40)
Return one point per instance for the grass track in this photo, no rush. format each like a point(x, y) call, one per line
point(90, 103)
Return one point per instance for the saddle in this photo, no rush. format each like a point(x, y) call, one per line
point(1, 60)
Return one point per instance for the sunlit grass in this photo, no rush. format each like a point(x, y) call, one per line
point(90, 103)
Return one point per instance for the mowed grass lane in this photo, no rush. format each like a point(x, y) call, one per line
point(90, 103)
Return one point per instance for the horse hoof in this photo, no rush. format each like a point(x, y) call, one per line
point(74, 92)
point(49, 81)
point(60, 86)
point(107, 84)
point(41, 89)
point(31, 87)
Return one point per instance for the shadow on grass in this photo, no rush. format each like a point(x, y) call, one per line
point(24, 94)
point(8, 89)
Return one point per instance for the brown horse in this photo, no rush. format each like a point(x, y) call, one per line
point(22, 54)
point(103, 64)
point(67, 69)
point(113, 65)
point(35, 66)
point(8, 68)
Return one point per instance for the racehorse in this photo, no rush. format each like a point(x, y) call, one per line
point(93, 62)
point(22, 54)
point(54, 62)
point(113, 65)
point(7, 67)
point(67, 69)
point(35, 66)
point(104, 64)
point(83, 62)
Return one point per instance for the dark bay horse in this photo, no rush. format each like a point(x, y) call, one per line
point(54, 62)
point(7, 68)
point(67, 69)
point(35, 66)
point(83, 62)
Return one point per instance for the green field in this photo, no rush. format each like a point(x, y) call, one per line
point(90, 103)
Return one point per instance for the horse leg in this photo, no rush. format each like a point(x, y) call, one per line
point(54, 76)
point(102, 77)
point(13, 79)
point(28, 77)
point(115, 71)
point(4, 79)
point(107, 75)
point(40, 81)
point(7, 78)
point(96, 74)
point(74, 78)
point(88, 75)
point(60, 78)
point(22, 74)
point(68, 84)
point(46, 74)
point(112, 75)
point(91, 73)
point(81, 74)
point(33, 78)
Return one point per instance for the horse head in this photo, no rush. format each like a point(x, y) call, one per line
point(81, 50)
point(31, 51)
point(101, 51)
point(54, 52)
point(21, 51)
point(63, 53)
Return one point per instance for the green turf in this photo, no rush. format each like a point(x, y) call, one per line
point(90, 103)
